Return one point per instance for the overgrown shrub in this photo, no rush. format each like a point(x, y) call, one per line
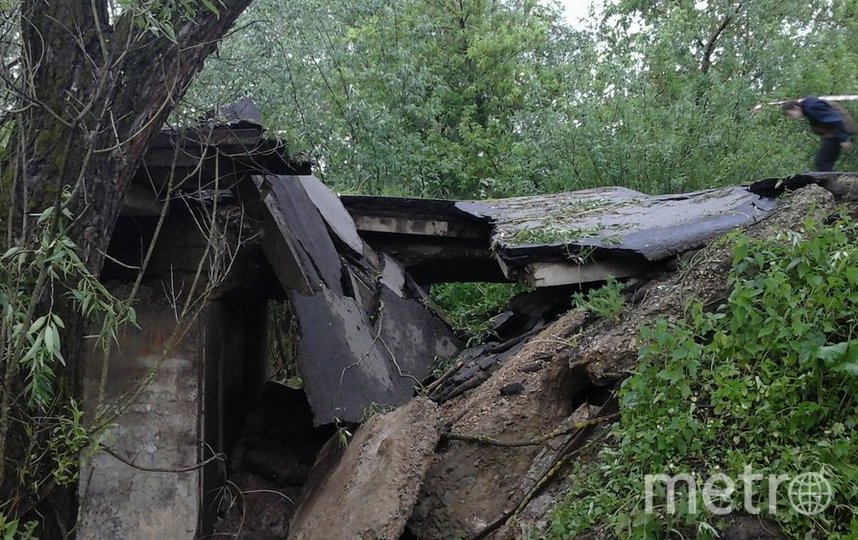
point(607, 301)
point(769, 380)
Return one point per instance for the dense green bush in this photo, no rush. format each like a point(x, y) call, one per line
point(768, 380)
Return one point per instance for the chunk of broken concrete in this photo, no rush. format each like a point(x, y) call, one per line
point(512, 389)
point(371, 492)
point(350, 362)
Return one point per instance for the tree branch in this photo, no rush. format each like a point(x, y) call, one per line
point(188, 468)
point(711, 42)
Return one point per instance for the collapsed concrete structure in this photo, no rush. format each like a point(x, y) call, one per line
point(221, 222)
point(514, 413)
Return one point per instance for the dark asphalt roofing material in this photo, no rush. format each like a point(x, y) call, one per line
point(617, 220)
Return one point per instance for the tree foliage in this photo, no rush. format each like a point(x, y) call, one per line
point(409, 97)
point(498, 97)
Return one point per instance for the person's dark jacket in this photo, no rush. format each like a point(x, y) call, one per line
point(828, 119)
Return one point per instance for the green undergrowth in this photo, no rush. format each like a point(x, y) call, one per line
point(607, 301)
point(468, 307)
point(769, 381)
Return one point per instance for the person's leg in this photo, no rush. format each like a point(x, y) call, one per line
point(827, 154)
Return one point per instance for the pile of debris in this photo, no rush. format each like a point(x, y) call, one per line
point(366, 338)
point(510, 416)
point(465, 451)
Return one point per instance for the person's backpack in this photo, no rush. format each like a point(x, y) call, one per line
point(848, 122)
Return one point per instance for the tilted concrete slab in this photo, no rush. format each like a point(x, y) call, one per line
point(363, 338)
point(351, 362)
point(288, 199)
point(333, 212)
point(345, 368)
point(547, 240)
point(370, 493)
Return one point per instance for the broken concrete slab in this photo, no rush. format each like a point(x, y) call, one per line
point(241, 112)
point(290, 263)
point(333, 212)
point(547, 240)
point(414, 335)
point(288, 198)
point(393, 275)
point(350, 363)
point(344, 365)
point(620, 220)
point(371, 492)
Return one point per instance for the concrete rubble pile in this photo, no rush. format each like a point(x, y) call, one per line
point(510, 412)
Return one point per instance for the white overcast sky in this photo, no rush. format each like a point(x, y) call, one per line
point(575, 9)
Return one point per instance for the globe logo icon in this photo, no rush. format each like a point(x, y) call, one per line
point(810, 493)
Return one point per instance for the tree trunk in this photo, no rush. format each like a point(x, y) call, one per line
point(92, 94)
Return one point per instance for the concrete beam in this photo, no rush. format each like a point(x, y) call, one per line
point(552, 274)
point(419, 227)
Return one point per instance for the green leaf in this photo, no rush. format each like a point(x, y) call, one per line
point(842, 357)
point(38, 324)
point(209, 5)
point(51, 342)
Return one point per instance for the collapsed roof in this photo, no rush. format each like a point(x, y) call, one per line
point(547, 240)
point(351, 266)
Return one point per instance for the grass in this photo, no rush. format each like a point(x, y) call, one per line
point(469, 306)
point(552, 235)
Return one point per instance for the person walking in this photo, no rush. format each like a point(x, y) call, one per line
point(828, 120)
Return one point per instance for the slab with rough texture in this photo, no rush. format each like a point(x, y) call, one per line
point(547, 240)
point(333, 212)
point(371, 492)
point(621, 220)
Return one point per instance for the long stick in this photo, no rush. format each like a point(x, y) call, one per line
point(759, 106)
